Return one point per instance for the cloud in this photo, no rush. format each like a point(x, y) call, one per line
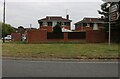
point(53, 0)
point(25, 13)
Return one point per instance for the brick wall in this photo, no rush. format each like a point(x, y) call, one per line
point(40, 36)
point(94, 36)
point(36, 36)
point(16, 36)
point(90, 36)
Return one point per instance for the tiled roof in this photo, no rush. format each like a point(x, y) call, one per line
point(91, 20)
point(52, 18)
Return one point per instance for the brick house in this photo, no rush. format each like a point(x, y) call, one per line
point(50, 21)
point(89, 24)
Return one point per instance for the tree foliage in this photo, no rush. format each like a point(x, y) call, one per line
point(21, 29)
point(57, 29)
point(6, 29)
point(105, 11)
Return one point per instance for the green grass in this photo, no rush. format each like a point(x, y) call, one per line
point(60, 50)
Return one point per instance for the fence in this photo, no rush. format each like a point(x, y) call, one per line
point(52, 35)
point(76, 35)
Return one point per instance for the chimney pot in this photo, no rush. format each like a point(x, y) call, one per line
point(102, 17)
point(67, 17)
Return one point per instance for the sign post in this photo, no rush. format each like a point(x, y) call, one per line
point(114, 12)
point(113, 16)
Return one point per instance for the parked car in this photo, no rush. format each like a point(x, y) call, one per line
point(8, 37)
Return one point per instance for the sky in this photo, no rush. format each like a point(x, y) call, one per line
point(26, 12)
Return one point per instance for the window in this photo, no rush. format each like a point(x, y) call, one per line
point(59, 23)
point(44, 23)
point(91, 24)
point(49, 23)
point(63, 23)
point(68, 23)
point(41, 23)
point(84, 24)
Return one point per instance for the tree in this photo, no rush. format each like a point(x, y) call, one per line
point(105, 11)
point(57, 29)
point(115, 26)
point(7, 29)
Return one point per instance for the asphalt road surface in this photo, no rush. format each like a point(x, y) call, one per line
point(23, 68)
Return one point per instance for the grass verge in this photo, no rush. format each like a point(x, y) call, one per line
point(61, 50)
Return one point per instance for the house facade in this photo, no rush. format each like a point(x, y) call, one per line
point(90, 24)
point(51, 21)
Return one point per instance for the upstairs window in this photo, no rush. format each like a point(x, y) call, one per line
point(49, 23)
point(84, 24)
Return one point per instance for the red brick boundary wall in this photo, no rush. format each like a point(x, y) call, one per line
point(40, 36)
point(16, 36)
point(65, 37)
point(90, 36)
point(36, 36)
point(95, 36)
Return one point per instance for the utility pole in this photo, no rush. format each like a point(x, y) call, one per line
point(3, 24)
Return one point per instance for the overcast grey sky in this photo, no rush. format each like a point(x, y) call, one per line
point(29, 12)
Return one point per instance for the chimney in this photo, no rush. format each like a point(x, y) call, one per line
point(102, 17)
point(67, 17)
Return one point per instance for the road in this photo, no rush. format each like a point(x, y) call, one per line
point(24, 68)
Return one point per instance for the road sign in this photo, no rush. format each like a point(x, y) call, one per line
point(114, 12)
point(114, 8)
point(114, 16)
